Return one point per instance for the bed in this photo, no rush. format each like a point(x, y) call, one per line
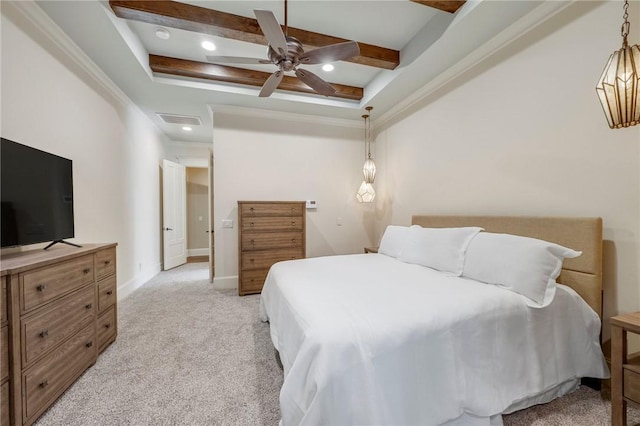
point(370, 339)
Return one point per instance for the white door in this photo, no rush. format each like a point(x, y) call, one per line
point(174, 214)
point(212, 240)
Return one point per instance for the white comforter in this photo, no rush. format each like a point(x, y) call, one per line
point(366, 339)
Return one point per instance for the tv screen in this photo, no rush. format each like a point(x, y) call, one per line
point(37, 195)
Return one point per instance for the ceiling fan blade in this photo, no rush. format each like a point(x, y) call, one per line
point(333, 52)
point(271, 84)
point(271, 30)
point(236, 60)
point(315, 82)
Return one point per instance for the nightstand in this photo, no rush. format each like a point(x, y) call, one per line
point(371, 249)
point(625, 374)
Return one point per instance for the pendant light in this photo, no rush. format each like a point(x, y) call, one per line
point(366, 193)
point(619, 85)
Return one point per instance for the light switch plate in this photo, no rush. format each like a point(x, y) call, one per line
point(312, 204)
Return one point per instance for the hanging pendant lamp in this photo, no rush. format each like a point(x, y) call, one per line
point(366, 193)
point(619, 85)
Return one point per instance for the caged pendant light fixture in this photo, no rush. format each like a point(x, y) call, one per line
point(619, 85)
point(366, 193)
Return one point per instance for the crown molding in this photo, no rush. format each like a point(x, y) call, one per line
point(43, 23)
point(507, 36)
point(288, 116)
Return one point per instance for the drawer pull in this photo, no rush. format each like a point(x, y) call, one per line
point(43, 384)
point(250, 260)
point(107, 325)
point(89, 344)
point(109, 293)
point(44, 333)
point(293, 240)
point(253, 242)
point(41, 287)
point(251, 224)
point(88, 306)
point(293, 224)
point(107, 262)
point(86, 270)
point(251, 209)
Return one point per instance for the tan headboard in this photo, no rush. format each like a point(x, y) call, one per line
point(583, 274)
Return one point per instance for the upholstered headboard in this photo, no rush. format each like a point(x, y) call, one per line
point(583, 273)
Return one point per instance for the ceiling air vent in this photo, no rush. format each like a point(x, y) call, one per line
point(184, 120)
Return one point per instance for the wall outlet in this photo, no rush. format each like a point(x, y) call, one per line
point(339, 221)
point(227, 223)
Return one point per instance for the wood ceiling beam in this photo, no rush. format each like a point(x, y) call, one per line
point(208, 21)
point(223, 73)
point(450, 6)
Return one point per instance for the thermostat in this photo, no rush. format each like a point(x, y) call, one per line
point(311, 204)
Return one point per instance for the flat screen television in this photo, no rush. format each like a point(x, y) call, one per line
point(36, 190)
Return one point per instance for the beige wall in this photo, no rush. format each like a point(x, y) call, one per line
point(258, 158)
point(49, 102)
point(524, 134)
point(197, 210)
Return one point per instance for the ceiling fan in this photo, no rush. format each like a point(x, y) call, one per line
point(286, 52)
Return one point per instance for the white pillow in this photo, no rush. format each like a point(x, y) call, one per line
point(527, 266)
point(393, 240)
point(438, 248)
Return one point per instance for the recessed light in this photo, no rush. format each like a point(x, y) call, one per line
point(327, 67)
point(162, 34)
point(207, 45)
point(186, 128)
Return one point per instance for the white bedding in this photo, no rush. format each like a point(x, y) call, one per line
point(366, 339)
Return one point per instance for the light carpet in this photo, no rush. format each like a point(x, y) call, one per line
point(187, 354)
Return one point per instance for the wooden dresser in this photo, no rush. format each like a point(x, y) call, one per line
point(268, 232)
point(61, 313)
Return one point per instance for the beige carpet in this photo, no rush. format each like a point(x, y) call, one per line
point(187, 354)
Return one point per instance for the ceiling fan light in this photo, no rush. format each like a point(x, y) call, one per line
point(366, 193)
point(327, 67)
point(187, 129)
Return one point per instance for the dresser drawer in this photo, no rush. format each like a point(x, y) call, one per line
point(272, 224)
point(48, 283)
point(3, 301)
point(106, 327)
point(271, 240)
point(4, 352)
point(106, 262)
point(4, 404)
point(253, 281)
point(45, 330)
point(106, 293)
point(264, 259)
point(51, 375)
point(271, 209)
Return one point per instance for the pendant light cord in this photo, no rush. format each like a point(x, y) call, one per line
point(624, 31)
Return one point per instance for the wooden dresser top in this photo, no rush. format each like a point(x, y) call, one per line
point(14, 263)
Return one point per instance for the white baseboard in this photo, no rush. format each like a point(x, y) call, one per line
point(198, 252)
point(220, 283)
point(137, 281)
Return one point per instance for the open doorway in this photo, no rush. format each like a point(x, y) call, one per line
point(197, 214)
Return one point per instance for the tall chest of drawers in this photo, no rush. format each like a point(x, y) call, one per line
point(268, 232)
point(61, 313)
